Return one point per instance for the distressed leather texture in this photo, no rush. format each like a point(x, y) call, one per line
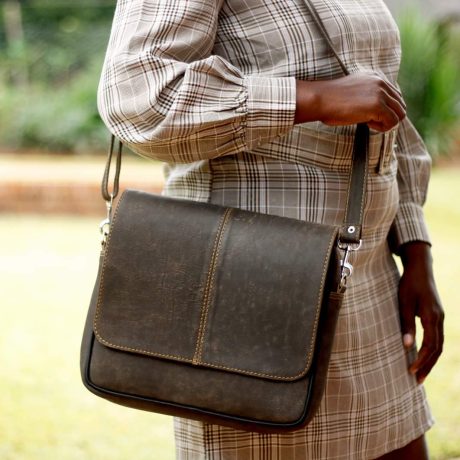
point(213, 313)
point(350, 232)
point(218, 314)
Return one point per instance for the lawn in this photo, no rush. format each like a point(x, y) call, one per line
point(47, 267)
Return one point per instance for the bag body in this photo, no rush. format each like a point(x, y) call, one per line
point(213, 313)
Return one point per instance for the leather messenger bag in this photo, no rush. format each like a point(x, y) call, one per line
point(216, 313)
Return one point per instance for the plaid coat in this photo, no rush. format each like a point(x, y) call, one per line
point(208, 87)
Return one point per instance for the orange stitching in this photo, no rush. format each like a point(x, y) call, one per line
point(241, 371)
point(350, 173)
point(206, 289)
point(363, 192)
point(104, 264)
point(188, 360)
point(206, 303)
point(145, 352)
point(318, 305)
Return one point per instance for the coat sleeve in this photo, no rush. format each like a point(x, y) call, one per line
point(165, 94)
point(414, 167)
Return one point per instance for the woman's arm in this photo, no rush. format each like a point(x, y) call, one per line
point(418, 296)
point(414, 168)
point(164, 94)
point(409, 238)
point(356, 98)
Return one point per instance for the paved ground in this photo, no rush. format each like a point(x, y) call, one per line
point(67, 184)
point(71, 184)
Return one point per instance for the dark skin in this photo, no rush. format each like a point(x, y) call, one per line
point(357, 98)
point(368, 98)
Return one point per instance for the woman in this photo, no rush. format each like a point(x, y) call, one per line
point(248, 108)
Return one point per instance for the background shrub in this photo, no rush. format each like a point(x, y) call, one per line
point(49, 73)
point(429, 78)
point(51, 59)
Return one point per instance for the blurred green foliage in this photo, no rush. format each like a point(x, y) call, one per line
point(49, 75)
point(51, 57)
point(429, 77)
point(61, 118)
point(60, 38)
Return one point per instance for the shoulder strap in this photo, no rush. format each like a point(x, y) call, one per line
point(350, 232)
point(109, 196)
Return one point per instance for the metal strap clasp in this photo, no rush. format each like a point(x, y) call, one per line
point(104, 226)
point(346, 268)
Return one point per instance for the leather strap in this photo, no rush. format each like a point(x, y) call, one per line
point(109, 196)
point(350, 231)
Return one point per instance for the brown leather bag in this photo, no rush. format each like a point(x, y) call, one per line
point(216, 313)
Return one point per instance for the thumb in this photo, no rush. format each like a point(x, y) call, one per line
point(407, 317)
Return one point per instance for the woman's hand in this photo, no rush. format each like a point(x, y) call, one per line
point(356, 98)
point(418, 296)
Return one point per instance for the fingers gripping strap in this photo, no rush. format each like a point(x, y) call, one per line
point(351, 229)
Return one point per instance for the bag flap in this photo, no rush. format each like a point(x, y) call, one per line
point(212, 286)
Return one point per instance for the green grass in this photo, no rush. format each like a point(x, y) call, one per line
point(443, 215)
point(47, 267)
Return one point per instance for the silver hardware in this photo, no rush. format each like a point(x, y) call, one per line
point(346, 268)
point(104, 226)
point(351, 229)
point(104, 230)
point(349, 246)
